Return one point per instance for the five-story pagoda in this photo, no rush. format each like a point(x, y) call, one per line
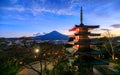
point(85, 59)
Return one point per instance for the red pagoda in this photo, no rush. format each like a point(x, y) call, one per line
point(85, 59)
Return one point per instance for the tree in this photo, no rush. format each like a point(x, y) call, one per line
point(63, 67)
point(109, 37)
point(8, 59)
point(48, 54)
point(8, 66)
point(3, 44)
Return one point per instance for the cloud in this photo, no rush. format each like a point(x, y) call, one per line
point(35, 11)
point(17, 8)
point(41, 6)
point(115, 25)
point(64, 7)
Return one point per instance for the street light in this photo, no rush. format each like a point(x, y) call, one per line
point(36, 50)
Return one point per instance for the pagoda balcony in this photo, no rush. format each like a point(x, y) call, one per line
point(96, 43)
point(89, 52)
point(68, 45)
point(86, 33)
point(82, 33)
point(72, 42)
point(82, 40)
point(90, 61)
point(82, 43)
point(93, 34)
point(71, 39)
point(88, 43)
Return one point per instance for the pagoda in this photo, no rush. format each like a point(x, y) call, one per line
point(84, 55)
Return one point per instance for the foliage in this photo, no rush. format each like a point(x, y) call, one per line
point(48, 52)
point(62, 67)
point(118, 69)
point(24, 52)
point(9, 57)
point(8, 66)
point(110, 46)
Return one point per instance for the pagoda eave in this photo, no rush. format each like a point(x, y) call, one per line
point(81, 43)
point(92, 34)
point(87, 26)
point(68, 45)
point(91, 26)
point(81, 33)
point(93, 62)
point(91, 51)
point(73, 29)
point(96, 43)
point(89, 43)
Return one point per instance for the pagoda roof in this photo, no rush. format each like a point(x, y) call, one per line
point(68, 45)
point(90, 51)
point(82, 43)
point(83, 33)
point(71, 39)
point(96, 43)
point(87, 26)
point(89, 60)
point(85, 43)
point(94, 34)
point(87, 33)
point(86, 62)
point(70, 42)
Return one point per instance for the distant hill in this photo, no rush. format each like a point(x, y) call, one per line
point(54, 35)
point(12, 39)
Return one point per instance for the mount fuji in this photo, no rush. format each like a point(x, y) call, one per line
point(54, 35)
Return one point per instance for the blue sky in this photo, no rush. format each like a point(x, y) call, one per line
point(27, 17)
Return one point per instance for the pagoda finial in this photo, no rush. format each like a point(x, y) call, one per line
point(81, 17)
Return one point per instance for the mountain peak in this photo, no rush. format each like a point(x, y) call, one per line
point(54, 35)
point(54, 31)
